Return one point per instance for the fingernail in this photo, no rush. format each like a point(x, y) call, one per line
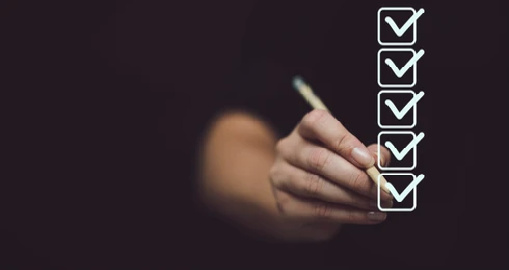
point(362, 156)
point(377, 216)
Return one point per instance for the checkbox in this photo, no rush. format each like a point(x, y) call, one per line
point(403, 147)
point(400, 185)
point(397, 108)
point(397, 26)
point(397, 67)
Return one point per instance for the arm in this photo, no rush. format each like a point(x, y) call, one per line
point(238, 152)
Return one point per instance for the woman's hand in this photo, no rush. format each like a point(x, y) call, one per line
point(319, 182)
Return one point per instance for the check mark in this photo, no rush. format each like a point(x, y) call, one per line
point(399, 114)
point(401, 196)
point(400, 31)
point(400, 155)
point(403, 70)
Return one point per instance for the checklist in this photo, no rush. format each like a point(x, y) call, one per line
point(397, 104)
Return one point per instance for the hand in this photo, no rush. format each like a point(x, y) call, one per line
point(319, 182)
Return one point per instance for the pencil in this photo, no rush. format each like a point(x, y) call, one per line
point(315, 102)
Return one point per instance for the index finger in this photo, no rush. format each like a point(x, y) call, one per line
point(320, 125)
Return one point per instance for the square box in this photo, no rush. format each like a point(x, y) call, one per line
point(386, 34)
point(387, 77)
point(400, 98)
point(392, 177)
point(401, 140)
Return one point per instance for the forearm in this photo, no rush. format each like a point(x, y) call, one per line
point(236, 158)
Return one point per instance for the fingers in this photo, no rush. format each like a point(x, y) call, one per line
point(385, 155)
point(321, 126)
point(329, 165)
point(298, 208)
point(309, 185)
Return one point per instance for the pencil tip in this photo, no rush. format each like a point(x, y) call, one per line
point(298, 82)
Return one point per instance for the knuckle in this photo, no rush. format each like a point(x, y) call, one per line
point(341, 140)
point(313, 184)
point(282, 202)
point(350, 215)
point(281, 145)
point(315, 118)
point(319, 158)
point(274, 175)
point(358, 180)
point(322, 210)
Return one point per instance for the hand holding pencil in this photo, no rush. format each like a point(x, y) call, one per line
point(308, 94)
point(320, 172)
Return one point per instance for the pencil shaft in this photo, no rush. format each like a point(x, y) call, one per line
point(373, 174)
point(312, 99)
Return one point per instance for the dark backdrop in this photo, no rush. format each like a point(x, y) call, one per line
point(104, 104)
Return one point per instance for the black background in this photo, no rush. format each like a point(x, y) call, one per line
point(104, 104)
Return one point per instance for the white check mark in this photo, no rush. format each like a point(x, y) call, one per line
point(403, 70)
point(399, 114)
point(400, 155)
point(400, 31)
point(401, 196)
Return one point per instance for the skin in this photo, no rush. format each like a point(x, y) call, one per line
point(300, 188)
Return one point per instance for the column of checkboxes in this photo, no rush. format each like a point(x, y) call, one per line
point(397, 103)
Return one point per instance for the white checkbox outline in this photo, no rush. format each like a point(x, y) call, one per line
point(414, 68)
point(414, 38)
point(395, 209)
point(414, 151)
point(414, 121)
